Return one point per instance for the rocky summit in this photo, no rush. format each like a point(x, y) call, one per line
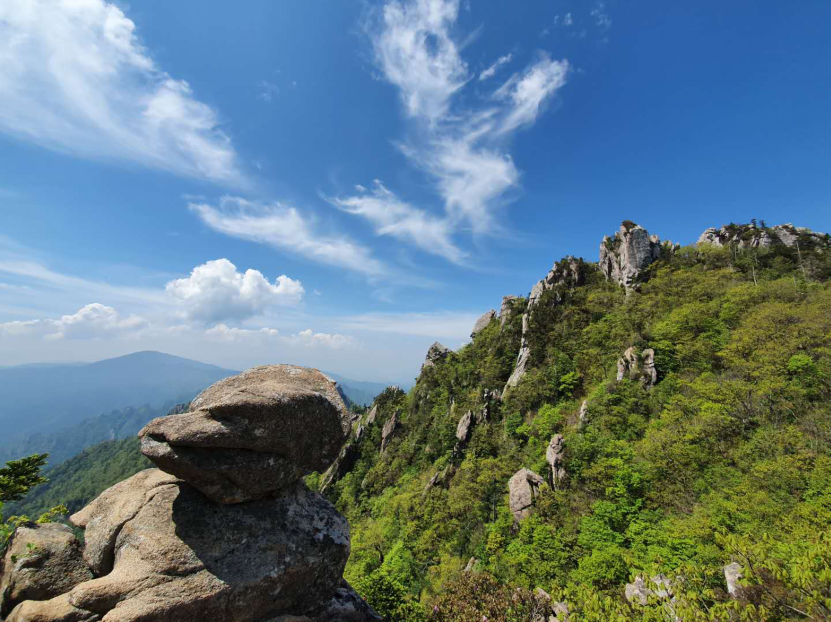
point(225, 530)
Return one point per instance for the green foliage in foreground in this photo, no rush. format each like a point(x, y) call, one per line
point(17, 478)
point(80, 479)
point(727, 459)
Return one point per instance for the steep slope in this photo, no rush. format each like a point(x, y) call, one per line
point(45, 399)
point(670, 405)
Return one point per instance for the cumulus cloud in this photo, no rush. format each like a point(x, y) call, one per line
point(392, 216)
point(91, 322)
point(75, 78)
point(491, 71)
point(216, 290)
point(285, 228)
point(306, 338)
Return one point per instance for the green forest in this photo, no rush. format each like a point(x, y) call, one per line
point(723, 457)
point(727, 458)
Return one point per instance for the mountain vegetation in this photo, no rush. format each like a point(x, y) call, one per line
point(714, 449)
point(666, 413)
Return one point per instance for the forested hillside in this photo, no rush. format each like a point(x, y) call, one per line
point(674, 402)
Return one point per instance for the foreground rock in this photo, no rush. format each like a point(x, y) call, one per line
point(163, 549)
point(523, 489)
point(252, 434)
point(41, 562)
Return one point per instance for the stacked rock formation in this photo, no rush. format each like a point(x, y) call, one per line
point(556, 462)
point(624, 256)
point(563, 277)
point(629, 366)
point(226, 530)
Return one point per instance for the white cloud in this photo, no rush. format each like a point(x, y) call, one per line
point(416, 52)
point(217, 291)
point(91, 322)
point(305, 338)
point(267, 91)
point(601, 18)
point(568, 20)
point(75, 78)
point(528, 92)
point(491, 71)
point(392, 216)
point(283, 227)
point(462, 148)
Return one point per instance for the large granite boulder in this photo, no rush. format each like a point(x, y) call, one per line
point(633, 366)
point(523, 489)
point(732, 577)
point(41, 562)
point(252, 434)
point(506, 309)
point(177, 555)
point(626, 254)
point(388, 431)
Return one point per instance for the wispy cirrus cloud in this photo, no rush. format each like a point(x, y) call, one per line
point(75, 78)
point(462, 148)
point(286, 228)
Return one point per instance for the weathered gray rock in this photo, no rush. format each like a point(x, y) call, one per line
point(57, 609)
point(659, 586)
point(435, 354)
point(523, 489)
point(753, 236)
point(564, 276)
point(583, 417)
point(650, 374)
point(505, 310)
point(625, 255)
point(344, 606)
point(630, 364)
point(388, 431)
point(252, 434)
point(344, 462)
point(180, 556)
point(732, 576)
point(554, 457)
point(464, 427)
point(373, 413)
point(482, 323)
point(41, 562)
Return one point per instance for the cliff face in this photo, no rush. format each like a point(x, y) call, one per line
point(225, 530)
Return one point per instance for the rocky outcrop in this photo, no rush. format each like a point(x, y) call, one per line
point(435, 354)
point(631, 250)
point(638, 591)
point(181, 546)
point(464, 427)
point(756, 236)
point(41, 562)
point(563, 277)
point(634, 366)
point(583, 416)
point(251, 434)
point(556, 464)
point(388, 431)
point(523, 489)
point(732, 576)
point(506, 309)
point(482, 323)
point(557, 611)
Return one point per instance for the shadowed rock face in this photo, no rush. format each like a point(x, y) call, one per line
point(251, 434)
point(42, 561)
point(630, 251)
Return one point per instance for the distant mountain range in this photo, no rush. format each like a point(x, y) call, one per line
point(62, 408)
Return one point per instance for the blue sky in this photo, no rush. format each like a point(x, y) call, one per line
point(340, 184)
